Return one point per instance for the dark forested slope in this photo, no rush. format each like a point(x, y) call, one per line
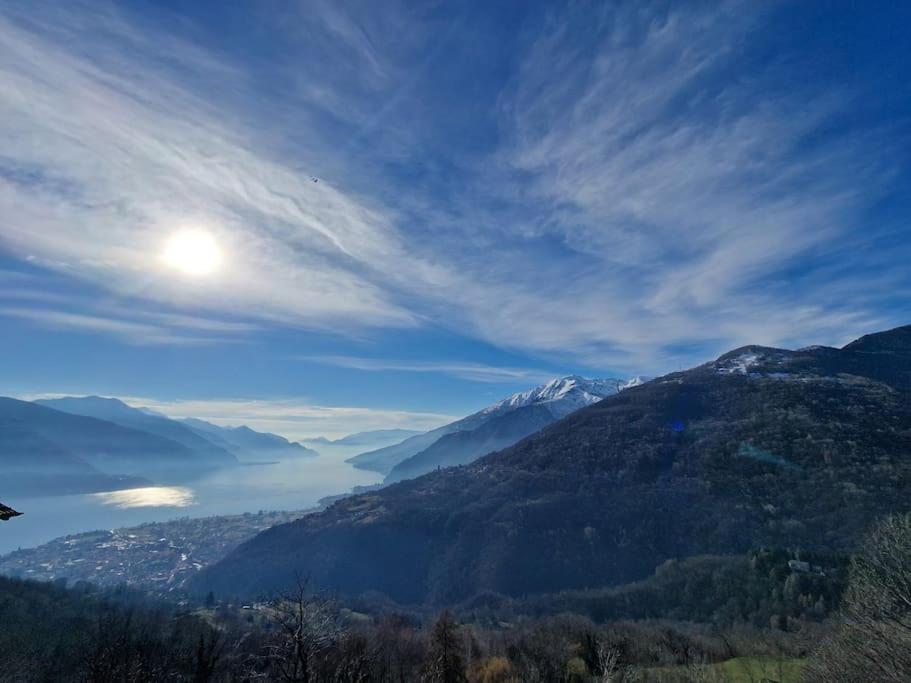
point(762, 446)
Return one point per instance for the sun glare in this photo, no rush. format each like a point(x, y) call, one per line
point(193, 252)
point(150, 496)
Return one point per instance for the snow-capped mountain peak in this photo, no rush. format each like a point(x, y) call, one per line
point(564, 395)
point(635, 382)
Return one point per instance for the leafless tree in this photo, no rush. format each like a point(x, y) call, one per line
point(354, 660)
point(399, 649)
point(307, 626)
point(207, 657)
point(445, 662)
point(124, 648)
point(608, 663)
point(873, 639)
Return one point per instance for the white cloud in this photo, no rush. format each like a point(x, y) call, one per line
point(104, 159)
point(477, 372)
point(640, 200)
point(131, 331)
point(673, 193)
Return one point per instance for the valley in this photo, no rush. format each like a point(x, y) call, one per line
point(736, 493)
point(455, 342)
point(295, 484)
point(762, 446)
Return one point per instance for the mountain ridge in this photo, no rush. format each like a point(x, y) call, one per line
point(250, 441)
point(369, 437)
point(562, 395)
point(47, 450)
point(118, 412)
point(221, 445)
point(760, 446)
point(93, 443)
point(510, 420)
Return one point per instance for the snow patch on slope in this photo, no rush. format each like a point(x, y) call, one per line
point(739, 365)
point(564, 395)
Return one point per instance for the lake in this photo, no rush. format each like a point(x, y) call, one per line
point(287, 485)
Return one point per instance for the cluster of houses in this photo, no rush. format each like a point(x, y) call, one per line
point(802, 567)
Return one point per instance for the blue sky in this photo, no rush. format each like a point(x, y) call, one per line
point(507, 192)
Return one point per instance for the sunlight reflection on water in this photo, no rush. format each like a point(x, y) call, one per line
point(293, 484)
point(151, 496)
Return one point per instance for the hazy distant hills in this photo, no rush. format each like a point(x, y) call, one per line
point(503, 423)
point(32, 463)
point(69, 452)
point(799, 449)
point(27, 449)
point(84, 444)
point(374, 438)
point(248, 442)
point(383, 459)
point(116, 411)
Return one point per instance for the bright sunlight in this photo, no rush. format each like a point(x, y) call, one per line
point(193, 252)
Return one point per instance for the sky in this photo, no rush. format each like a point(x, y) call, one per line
point(413, 209)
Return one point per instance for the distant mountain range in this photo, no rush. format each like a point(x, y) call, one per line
point(375, 438)
point(83, 444)
point(761, 447)
point(117, 412)
point(497, 426)
point(250, 443)
point(46, 450)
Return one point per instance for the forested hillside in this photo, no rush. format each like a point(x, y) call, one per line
point(761, 447)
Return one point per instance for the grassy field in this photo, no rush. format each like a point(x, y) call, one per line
point(737, 670)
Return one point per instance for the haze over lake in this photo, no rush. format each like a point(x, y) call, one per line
point(287, 485)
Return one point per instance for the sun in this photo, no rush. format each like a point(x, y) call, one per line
point(193, 252)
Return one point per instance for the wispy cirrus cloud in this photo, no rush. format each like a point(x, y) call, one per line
point(48, 303)
point(635, 184)
point(478, 372)
point(678, 196)
point(108, 152)
point(131, 331)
